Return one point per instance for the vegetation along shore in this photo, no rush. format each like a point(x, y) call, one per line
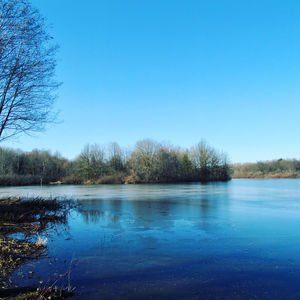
point(281, 168)
point(148, 162)
point(22, 223)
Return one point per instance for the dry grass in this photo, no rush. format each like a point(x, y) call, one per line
point(28, 219)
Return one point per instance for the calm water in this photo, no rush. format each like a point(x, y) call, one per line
point(236, 240)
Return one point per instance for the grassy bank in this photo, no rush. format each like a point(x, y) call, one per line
point(281, 168)
point(266, 176)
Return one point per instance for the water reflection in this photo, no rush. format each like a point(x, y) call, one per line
point(162, 212)
point(231, 240)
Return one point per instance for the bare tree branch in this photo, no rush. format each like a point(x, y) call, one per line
point(27, 68)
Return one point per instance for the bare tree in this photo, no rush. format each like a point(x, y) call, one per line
point(143, 159)
point(116, 157)
point(27, 65)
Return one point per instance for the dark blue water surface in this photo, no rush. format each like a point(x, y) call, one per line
point(235, 240)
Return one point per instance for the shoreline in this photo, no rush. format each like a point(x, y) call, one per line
point(22, 222)
point(265, 177)
point(153, 183)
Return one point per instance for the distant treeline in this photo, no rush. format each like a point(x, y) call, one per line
point(149, 162)
point(281, 168)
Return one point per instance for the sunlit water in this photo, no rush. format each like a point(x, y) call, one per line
point(235, 240)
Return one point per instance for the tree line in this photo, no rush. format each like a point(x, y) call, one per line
point(281, 168)
point(148, 162)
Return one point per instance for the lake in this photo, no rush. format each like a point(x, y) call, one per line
point(234, 240)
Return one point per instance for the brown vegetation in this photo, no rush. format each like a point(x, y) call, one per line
point(267, 170)
point(28, 219)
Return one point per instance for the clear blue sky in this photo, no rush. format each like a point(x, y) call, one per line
point(179, 71)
